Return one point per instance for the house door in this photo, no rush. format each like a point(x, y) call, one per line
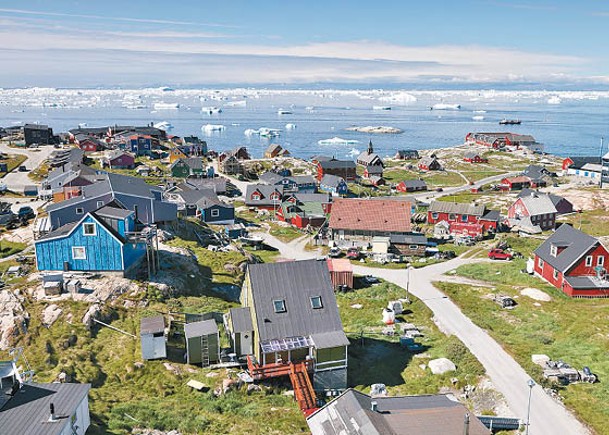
point(341, 234)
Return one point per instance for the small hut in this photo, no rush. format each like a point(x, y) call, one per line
point(152, 337)
point(202, 342)
point(341, 272)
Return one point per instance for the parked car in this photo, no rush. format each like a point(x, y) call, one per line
point(499, 254)
point(3, 187)
point(23, 168)
point(334, 252)
point(26, 213)
point(371, 279)
point(353, 253)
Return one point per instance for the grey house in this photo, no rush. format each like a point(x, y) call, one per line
point(131, 193)
point(213, 211)
point(202, 342)
point(152, 337)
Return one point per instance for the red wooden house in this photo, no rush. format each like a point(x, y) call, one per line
point(429, 164)
point(515, 183)
point(263, 196)
point(341, 168)
point(474, 157)
point(573, 262)
point(463, 218)
point(536, 209)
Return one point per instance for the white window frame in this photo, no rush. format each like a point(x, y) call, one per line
point(100, 204)
point(279, 309)
point(539, 262)
point(89, 224)
point(313, 305)
point(80, 210)
point(434, 215)
point(600, 261)
point(553, 251)
point(76, 256)
point(452, 217)
point(214, 212)
point(555, 274)
point(589, 260)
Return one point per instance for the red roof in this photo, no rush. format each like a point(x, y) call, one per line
point(339, 265)
point(370, 215)
point(520, 179)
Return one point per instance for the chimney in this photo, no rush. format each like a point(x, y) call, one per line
point(52, 417)
point(466, 424)
point(374, 406)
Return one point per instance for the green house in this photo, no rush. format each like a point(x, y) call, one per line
point(202, 342)
point(190, 167)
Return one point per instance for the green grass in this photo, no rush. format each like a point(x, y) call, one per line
point(8, 248)
point(40, 173)
point(382, 360)
point(285, 233)
point(13, 161)
point(556, 328)
point(593, 222)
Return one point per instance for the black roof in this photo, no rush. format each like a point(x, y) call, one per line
point(578, 162)
point(575, 243)
point(408, 239)
point(28, 411)
point(198, 329)
point(295, 282)
point(337, 164)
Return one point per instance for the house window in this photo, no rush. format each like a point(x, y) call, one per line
point(89, 229)
point(279, 305)
point(413, 247)
point(215, 212)
point(255, 197)
point(588, 260)
point(540, 262)
point(316, 302)
point(434, 215)
point(463, 218)
point(600, 261)
point(100, 204)
point(452, 217)
point(553, 251)
point(555, 274)
point(79, 253)
point(80, 210)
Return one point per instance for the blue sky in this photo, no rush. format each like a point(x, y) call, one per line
point(137, 43)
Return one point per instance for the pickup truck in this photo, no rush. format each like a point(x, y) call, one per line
point(499, 254)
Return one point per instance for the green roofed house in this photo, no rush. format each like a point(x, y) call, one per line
point(202, 342)
point(190, 167)
point(297, 329)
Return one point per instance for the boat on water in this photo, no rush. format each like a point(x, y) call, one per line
point(284, 112)
point(381, 107)
point(166, 106)
point(505, 121)
point(210, 128)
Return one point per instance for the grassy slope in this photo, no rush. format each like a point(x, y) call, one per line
point(573, 330)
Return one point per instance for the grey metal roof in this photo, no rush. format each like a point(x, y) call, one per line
point(554, 198)
point(270, 178)
point(192, 196)
point(150, 325)
point(414, 183)
point(337, 164)
point(113, 212)
point(576, 244)
point(295, 282)
point(312, 197)
point(321, 158)
point(535, 172)
point(28, 411)
point(241, 319)
point(408, 239)
point(130, 185)
point(303, 179)
point(578, 162)
point(218, 184)
point(457, 208)
point(332, 180)
point(538, 204)
point(327, 340)
point(191, 162)
point(492, 215)
point(368, 158)
point(266, 191)
point(351, 413)
point(63, 230)
point(374, 169)
point(87, 192)
point(587, 282)
point(198, 329)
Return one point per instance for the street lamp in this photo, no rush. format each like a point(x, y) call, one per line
point(531, 384)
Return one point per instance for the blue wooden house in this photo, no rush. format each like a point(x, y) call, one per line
point(213, 211)
point(100, 241)
point(139, 145)
point(334, 184)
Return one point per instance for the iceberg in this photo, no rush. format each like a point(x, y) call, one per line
point(166, 106)
point(210, 128)
point(554, 100)
point(211, 110)
point(262, 131)
point(241, 103)
point(478, 118)
point(290, 126)
point(163, 125)
point(399, 98)
point(381, 107)
point(444, 106)
point(338, 141)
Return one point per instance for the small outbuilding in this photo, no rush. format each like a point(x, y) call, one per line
point(202, 342)
point(152, 338)
point(341, 272)
point(241, 330)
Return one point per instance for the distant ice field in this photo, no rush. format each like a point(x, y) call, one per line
point(304, 120)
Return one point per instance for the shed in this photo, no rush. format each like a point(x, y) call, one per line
point(341, 272)
point(202, 342)
point(380, 245)
point(241, 330)
point(152, 337)
point(74, 286)
point(235, 231)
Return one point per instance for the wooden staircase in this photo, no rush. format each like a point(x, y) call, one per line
point(303, 390)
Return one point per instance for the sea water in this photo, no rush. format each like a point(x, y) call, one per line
point(567, 123)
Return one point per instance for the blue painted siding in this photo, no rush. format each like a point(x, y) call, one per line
point(103, 251)
point(225, 214)
point(132, 253)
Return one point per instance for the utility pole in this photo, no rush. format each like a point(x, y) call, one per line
point(602, 164)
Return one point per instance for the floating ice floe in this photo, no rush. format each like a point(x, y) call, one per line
point(166, 106)
point(381, 107)
point(444, 106)
point(478, 118)
point(211, 110)
point(290, 126)
point(210, 128)
point(554, 100)
point(353, 153)
point(338, 141)
point(479, 111)
point(263, 131)
point(399, 98)
point(163, 125)
point(241, 103)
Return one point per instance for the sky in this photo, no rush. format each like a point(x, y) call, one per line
point(113, 43)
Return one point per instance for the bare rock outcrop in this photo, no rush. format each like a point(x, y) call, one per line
point(13, 318)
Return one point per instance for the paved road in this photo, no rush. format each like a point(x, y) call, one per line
point(16, 180)
point(548, 417)
point(452, 190)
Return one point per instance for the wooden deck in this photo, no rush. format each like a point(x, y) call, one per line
point(299, 377)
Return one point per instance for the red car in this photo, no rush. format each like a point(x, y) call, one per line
point(499, 254)
point(353, 254)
